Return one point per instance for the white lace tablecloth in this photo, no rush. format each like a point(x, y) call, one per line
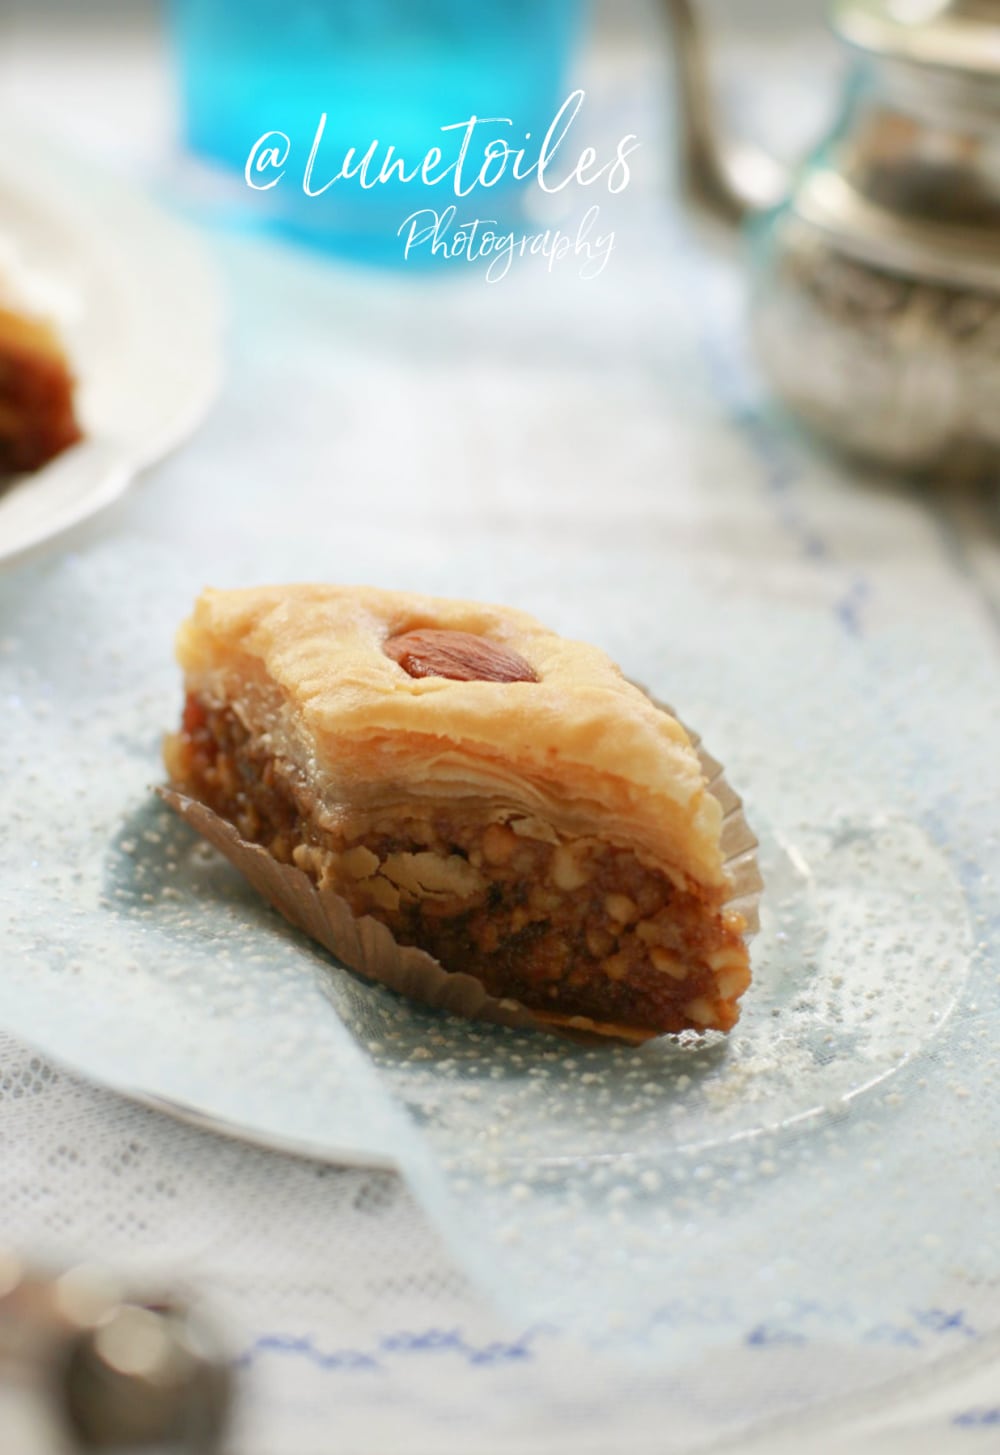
point(352, 1329)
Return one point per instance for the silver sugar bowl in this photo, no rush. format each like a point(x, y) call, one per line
point(84, 1366)
point(875, 302)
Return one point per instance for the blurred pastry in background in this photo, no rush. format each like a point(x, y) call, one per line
point(37, 408)
point(37, 417)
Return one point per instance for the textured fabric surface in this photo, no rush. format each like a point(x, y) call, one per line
point(351, 1329)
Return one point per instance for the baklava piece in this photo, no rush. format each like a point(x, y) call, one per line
point(491, 792)
point(37, 418)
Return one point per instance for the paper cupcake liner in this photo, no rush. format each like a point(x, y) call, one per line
point(369, 948)
point(738, 841)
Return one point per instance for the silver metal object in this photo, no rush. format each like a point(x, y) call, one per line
point(85, 1367)
point(876, 270)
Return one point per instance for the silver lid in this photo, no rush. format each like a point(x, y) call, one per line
point(955, 35)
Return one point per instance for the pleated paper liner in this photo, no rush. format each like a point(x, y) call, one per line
point(369, 948)
point(738, 841)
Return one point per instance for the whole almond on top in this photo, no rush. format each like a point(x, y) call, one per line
point(461, 656)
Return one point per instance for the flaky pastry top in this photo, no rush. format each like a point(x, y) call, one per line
point(306, 665)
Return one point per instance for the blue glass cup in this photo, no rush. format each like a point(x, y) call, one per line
point(267, 83)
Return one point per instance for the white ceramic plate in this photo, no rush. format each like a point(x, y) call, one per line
point(139, 310)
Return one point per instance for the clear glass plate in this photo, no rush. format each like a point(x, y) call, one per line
point(132, 952)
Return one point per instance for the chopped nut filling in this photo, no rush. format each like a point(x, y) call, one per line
point(571, 926)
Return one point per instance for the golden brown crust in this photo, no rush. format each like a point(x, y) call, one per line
point(305, 665)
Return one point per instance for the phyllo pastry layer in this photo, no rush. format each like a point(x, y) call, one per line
point(489, 791)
